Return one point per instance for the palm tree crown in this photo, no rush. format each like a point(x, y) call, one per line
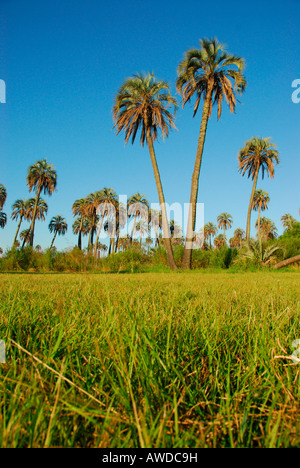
point(224, 221)
point(211, 70)
point(143, 103)
point(3, 195)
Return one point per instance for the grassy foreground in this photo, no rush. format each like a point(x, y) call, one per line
point(149, 360)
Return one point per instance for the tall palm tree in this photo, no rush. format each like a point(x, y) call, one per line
point(3, 219)
point(224, 221)
point(93, 200)
point(210, 230)
point(107, 199)
point(143, 103)
point(260, 203)
point(41, 177)
point(257, 154)
point(3, 196)
point(59, 226)
point(287, 221)
point(212, 74)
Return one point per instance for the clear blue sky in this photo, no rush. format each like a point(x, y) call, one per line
point(64, 60)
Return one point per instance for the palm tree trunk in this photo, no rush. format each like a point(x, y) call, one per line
point(17, 231)
point(258, 222)
point(53, 240)
point(251, 205)
point(286, 262)
point(99, 230)
point(34, 216)
point(224, 227)
point(161, 198)
point(187, 253)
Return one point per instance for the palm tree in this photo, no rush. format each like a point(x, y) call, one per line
point(219, 241)
point(239, 236)
point(81, 228)
point(260, 203)
point(210, 230)
point(287, 221)
point(59, 226)
point(268, 229)
point(78, 209)
point(107, 199)
point(3, 219)
point(155, 222)
point(137, 208)
point(93, 200)
point(3, 196)
point(224, 221)
point(257, 154)
point(25, 237)
point(143, 103)
point(20, 210)
point(210, 73)
point(258, 254)
point(41, 177)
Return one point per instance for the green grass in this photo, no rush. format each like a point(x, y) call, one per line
point(149, 360)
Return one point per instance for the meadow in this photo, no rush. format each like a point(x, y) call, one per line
point(185, 359)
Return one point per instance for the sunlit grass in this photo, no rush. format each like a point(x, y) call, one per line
point(149, 360)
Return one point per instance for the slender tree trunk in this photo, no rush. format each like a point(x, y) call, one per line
point(210, 241)
point(99, 230)
point(18, 229)
point(79, 244)
point(34, 216)
point(187, 253)
point(161, 198)
point(53, 240)
point(251, 204)
point(258, 222)
point(224, 227)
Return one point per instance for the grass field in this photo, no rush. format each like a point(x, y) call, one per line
point(150, 360)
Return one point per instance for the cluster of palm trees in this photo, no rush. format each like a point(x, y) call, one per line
point(143, 104)
point(41, 178)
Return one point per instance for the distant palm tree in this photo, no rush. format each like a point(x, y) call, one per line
point(268, 229)
point(224, 221)
point(41, 177)
point(107, 199)
point(212, 74)
point(81, 228)
point(25, 237)
point(219, 241)
point(287, 221)
point(20, 210)
point(3, 219)
point(78, 209)
point(143, 103)
point(210, 230)
point(138, 207)
point(3, 196)
point(257, 154)
point(93, 200)
point(260, 203)
point(239, 236)
point(59, 226)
